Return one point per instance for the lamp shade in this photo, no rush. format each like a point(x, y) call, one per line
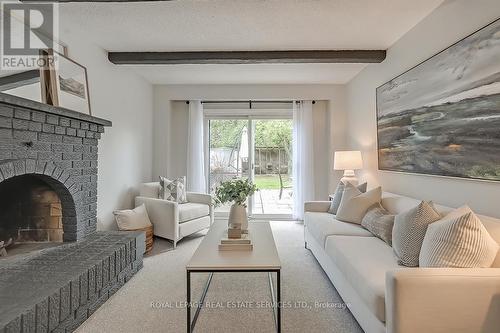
point(347, 160)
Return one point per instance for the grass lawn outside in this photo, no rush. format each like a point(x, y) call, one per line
point(271, 182)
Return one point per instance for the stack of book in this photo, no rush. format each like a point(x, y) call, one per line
point(236, 244)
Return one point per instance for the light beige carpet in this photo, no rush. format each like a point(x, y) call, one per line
point(152, 301)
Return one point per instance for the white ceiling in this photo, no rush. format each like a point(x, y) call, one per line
point(189, 25)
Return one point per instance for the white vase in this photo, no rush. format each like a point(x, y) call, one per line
point(238, 216)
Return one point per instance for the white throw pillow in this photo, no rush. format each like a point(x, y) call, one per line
point(337, 196)
point(354, 203)
point(173, 190)
point(132, 219)
point(458, 240)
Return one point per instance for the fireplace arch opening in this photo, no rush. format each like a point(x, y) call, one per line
point(33, 210)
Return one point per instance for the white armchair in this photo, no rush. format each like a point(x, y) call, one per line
point(172, 220)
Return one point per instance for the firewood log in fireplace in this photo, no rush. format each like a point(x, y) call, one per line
point(3, 247)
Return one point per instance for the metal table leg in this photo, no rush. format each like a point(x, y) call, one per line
point(188, 301)
point(278, 288)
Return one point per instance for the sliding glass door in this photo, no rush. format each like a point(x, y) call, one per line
point(258, 149)
point(272, 158)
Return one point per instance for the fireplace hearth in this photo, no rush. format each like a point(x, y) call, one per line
point(56, 269)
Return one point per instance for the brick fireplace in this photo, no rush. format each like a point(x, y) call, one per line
point(48, 194)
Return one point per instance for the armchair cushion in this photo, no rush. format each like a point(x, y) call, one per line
point(150, 190)
point(190, 211)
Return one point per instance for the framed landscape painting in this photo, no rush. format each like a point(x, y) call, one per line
point(442, 117)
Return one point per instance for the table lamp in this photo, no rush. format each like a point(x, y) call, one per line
point(348, 161)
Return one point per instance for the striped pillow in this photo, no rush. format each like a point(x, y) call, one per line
point(409, 232)
point(458, 240)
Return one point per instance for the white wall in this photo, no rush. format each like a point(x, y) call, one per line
point(446, 25)
point(125, 150)
point(171, 123)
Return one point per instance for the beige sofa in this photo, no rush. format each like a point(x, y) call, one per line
point(385, 297)
point(172, 220)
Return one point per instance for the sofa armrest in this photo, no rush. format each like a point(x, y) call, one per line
point(163, 214)
point(317, 206)
point(201, 198)
point(443, 300)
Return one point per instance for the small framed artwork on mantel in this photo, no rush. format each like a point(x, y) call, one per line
point(65, 83)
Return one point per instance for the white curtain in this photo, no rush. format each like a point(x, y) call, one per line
point(303, 157)
point(195, 149)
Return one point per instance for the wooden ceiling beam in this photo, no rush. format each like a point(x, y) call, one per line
point(247, 57)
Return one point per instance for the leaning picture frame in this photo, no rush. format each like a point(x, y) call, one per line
point(65, 83)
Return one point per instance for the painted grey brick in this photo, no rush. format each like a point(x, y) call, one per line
point(65, 302)
point(30, 166)
point(75, 294)
point(54, 301)
point(6, 111)
point(24, 135)
point(50, 155)
point(51, 119)
point(62, 147)
point(48, 128)
point(92, 142)
point(73, 140)
point(47, 137)
point(7, 170)
point(71, 131)
point(93, 127)
point(5, 133)
point(23, 153)
point(42, 316)
point(81, 164)
point(35, 127)
point(89, 156)
point(29, 322)
point(65, 122)
point(5, 122)
point(49, 168)
point(60, 130)
point(72, 156)
point(92, 283)
point(41, 146)
point(75, 123)
point(38, 117)
point(20, 124)
point(84, 125)
point(14, 326)
point(19, 167)
point(84, 288)
point(22, 114)
point(40, 166)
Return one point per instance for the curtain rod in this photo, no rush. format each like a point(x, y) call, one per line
point(250, 102)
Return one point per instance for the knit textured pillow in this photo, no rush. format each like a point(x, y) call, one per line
point(337, 196)
point(409, 232)
point(173, 190)
point(379, 222)
point(458, 240)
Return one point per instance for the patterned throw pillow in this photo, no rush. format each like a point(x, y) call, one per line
point(354, 203)
point(458, 240)
point(337, 196)
point(173, 190)
point(409, 232)
point(379, 222)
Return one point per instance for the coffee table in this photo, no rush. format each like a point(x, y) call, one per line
point(208, 259)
